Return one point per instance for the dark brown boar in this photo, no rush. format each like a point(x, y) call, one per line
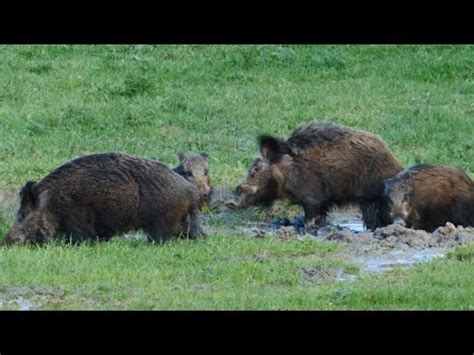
point(101, 195)
point(195, 168)
point(319, 166)
point(427, 196)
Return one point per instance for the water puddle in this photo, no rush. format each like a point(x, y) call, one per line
point(23, 304)
point(26, 298)
point(397, 258)
point(355, 227)
point(19, 303)
point(373, 251)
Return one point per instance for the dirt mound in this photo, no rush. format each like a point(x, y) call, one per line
point(395, 236)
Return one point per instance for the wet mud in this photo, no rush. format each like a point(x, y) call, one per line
point(373, 251)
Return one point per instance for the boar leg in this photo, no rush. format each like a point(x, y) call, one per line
point(77, 231)
point(314, 215)
point(157, 232)
point(194, 226)
point(374, 214)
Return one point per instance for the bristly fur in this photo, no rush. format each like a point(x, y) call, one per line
point(436, 194)
point(326, 165)
point(100, 195)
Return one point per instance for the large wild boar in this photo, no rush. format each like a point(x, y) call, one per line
point(319, 166)
point(101, 195)
point(427, 196)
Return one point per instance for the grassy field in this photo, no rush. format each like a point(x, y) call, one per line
point(59, 102)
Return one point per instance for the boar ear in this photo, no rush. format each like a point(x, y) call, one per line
point(204, 154)
point(273, 148)
point(181, 156)
point(28, 194)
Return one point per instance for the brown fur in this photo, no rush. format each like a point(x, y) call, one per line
point(427, 196)
point(195, 168)
point(319, 166)
point(100, 195)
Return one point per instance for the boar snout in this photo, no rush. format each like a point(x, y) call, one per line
point(241, 196)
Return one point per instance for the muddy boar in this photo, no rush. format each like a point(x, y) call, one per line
point(195, 168)
point(101, 195)
point(319, 166)
point(427, 196)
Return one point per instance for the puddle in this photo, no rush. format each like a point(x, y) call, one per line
point(395, 246)
point(18, 303)
point(23, 304)
point(397, 258)
point(26, 298)
point(354, 227)
point(373, 251)
point(347, 219)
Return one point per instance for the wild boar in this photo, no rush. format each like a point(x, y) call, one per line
point(101, 195)
point(195, 168)
point(319, 166)
point(426, 196)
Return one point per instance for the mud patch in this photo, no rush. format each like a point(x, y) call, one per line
point(262, 256)
point(321, 275)
point(380, 250)
point(397, 246)
point(25, 298)
point(395, 258)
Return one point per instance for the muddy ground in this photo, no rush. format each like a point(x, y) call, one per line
point(379, 250)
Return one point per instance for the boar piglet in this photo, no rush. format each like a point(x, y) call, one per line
point(195, 168)
point(427, 196)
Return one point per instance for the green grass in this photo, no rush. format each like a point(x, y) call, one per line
point(227, 273)
point(58, 102)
